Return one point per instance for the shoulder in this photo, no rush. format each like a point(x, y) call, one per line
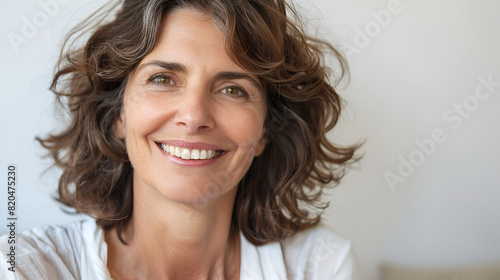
point(47, 251)
point(319, 253)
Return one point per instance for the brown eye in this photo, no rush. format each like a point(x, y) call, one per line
point(162, 79)
point(233, 91)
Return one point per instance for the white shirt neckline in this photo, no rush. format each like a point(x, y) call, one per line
point(263, 262)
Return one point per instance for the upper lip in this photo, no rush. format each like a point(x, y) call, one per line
point(191, 145)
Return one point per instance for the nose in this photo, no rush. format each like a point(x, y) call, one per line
point(194, 112)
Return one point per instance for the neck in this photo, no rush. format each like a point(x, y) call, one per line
point(172, 240)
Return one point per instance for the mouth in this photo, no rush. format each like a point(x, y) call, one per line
point(190, 154)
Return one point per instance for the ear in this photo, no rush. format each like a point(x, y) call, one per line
point(120, 126)
point(261, 145)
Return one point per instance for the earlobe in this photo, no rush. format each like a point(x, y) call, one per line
point(261, 145)
point(120, 126)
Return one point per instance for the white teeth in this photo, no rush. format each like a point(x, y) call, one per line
point(195, 154)
point(203, 154)
point(186, 153)
point(190, 154)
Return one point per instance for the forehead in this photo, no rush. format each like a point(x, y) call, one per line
point(184, 19)
point(190, 37)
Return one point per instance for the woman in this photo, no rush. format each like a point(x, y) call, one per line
point(197, 140)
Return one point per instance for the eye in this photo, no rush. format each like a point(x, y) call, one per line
point(162, 79)
point(233, 90)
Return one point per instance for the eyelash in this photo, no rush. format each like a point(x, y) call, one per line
point(172, 83)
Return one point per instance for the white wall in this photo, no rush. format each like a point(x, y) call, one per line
point(405, 76)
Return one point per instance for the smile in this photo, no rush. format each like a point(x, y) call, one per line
point(185, 153)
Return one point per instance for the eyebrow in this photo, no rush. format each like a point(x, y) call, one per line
point(225, 75)
point(171, 66)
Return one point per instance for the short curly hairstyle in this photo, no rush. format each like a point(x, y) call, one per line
point(266, 38)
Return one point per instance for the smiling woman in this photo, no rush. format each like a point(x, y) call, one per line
point(197, 142)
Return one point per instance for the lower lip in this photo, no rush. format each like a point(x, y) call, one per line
point(189, 162)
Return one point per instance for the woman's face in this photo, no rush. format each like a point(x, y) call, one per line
point(192, 119)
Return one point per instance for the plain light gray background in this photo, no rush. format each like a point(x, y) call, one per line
point(414, 64)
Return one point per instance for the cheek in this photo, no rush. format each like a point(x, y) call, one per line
point(247, 129)
point(249, 122)
point(137, 126)
point(143, 115)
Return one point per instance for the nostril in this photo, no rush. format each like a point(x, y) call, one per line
point(196, 123)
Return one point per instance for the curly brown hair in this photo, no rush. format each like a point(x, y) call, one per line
point(262, 36)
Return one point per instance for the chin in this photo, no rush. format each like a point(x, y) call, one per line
point(198, 193)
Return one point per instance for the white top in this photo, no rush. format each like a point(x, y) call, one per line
point(78, 251)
